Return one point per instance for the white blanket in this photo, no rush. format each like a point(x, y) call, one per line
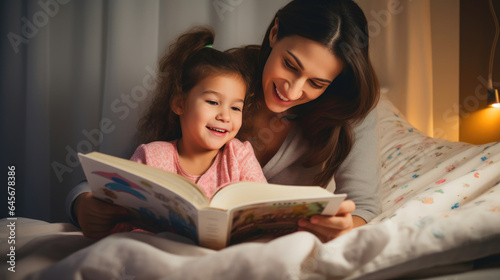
point(441, 206)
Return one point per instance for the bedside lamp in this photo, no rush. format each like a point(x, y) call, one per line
point(493, 99)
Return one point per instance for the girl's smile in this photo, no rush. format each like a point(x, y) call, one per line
point(217, 129)
point(212, 113)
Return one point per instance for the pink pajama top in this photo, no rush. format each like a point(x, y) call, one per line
point(235, 162)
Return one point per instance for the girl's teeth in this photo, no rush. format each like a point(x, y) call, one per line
point(218, 130)
point(281, 96)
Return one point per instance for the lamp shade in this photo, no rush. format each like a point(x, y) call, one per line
point(493, 98)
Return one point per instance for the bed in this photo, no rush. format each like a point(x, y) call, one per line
point(440, 220)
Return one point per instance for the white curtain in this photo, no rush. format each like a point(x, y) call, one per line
point(402, 52)
point(415, 50)
point(75, 76)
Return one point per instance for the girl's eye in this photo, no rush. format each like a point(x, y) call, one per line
point(289, 65)
point(211, 102)
point(236, 109)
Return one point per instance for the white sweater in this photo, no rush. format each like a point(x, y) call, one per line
point(357, 176)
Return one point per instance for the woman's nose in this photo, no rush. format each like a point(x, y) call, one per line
point(295, 89)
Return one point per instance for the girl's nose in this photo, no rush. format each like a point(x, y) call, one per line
point(223, 115)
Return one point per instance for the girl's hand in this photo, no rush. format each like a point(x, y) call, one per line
point(327, 228)
point(97, 218)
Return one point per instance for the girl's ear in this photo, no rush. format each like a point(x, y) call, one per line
point(273, 35)
point(178, 105)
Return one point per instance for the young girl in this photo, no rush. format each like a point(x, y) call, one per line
point(195, 114)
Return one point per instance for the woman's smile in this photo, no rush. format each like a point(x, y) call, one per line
point(280, 98)
point(297, 71)
point(281, 95)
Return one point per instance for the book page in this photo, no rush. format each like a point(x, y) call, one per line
point(147, 174)
point(264, 211)
point(156, 208)
point(250, 192)
point(273, 219)
point(213, 227)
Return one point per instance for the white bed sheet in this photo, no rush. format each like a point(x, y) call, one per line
point(441, 207)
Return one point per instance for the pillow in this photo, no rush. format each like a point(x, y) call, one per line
point(439, 201)
point(412, 162)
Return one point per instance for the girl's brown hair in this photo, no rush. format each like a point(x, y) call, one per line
point(327, 121)
point(186, 62)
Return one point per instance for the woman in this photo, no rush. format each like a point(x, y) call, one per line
point(314, 88)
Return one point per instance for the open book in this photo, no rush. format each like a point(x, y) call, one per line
point(166, 201)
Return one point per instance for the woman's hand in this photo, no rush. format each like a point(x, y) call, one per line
point(97, 218)
point(327, 228)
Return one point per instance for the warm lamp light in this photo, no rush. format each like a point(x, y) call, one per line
point(493, 98)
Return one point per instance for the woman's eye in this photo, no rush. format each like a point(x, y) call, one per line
point(289, 65)
point(315, 85)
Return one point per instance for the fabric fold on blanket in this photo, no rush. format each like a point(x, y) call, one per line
point(379, 251)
